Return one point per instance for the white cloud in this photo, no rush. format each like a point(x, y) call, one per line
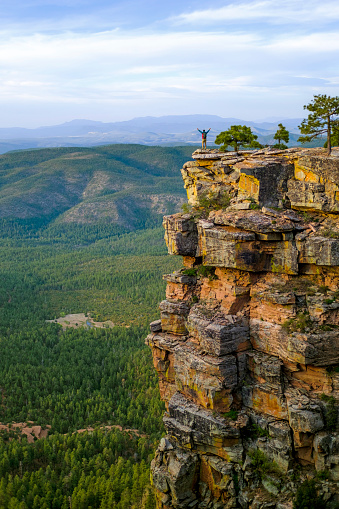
point(71, 46)
point(323, 42)
point(284, 11)
point(168, 72)
point(96, 58)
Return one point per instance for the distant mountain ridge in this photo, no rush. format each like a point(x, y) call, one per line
point(164, 130)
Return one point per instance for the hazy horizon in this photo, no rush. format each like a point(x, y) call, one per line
point(82, 121)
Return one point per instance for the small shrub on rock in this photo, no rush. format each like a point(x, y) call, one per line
point(298, 324)
point(261, 463)
point(186, 208)
point(307, 497)
point(189, 272)
point(232, 414)
point(331, 416)
point(209, 201)
point(207, 271)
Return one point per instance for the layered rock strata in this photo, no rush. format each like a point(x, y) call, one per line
point(247, 348)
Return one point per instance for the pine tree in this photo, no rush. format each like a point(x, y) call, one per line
point(323, 119)
point(281, 135)
point(237, 136)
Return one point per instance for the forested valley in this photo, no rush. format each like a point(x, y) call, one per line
point(93, 390)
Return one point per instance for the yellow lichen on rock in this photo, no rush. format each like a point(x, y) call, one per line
point(249, 186)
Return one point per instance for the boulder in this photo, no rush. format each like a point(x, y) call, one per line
point(218, 335)
point(318, 250)
point(206, 380)
point(173, 316)
point(181, 234)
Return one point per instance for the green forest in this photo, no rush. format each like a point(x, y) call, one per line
point(72, 379)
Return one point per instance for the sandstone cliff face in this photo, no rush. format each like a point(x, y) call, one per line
point(247, 348)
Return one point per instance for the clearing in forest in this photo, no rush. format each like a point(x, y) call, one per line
point(76, 320)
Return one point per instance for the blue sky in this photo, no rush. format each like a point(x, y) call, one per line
point(108, 61)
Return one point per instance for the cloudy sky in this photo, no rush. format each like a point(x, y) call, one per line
point(114, 60)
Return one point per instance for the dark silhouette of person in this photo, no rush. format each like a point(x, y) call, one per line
point(203, 137)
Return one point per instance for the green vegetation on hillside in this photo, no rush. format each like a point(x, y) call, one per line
point(124, 187)
point(82, 234)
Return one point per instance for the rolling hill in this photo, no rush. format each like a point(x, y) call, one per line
point(119, 187)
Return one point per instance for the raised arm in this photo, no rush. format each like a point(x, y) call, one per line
point(199, 130)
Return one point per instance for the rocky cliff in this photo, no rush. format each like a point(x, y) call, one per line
point(247, 348)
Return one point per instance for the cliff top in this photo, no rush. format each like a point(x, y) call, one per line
point(301, 179)
point(267, 152)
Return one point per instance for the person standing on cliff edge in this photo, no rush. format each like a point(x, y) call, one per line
point(203, 137)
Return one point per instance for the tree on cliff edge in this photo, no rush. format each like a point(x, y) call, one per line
point(282, 134)
point(323, 119)
point(237, 136)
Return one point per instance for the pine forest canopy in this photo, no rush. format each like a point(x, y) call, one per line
point(52, 262)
